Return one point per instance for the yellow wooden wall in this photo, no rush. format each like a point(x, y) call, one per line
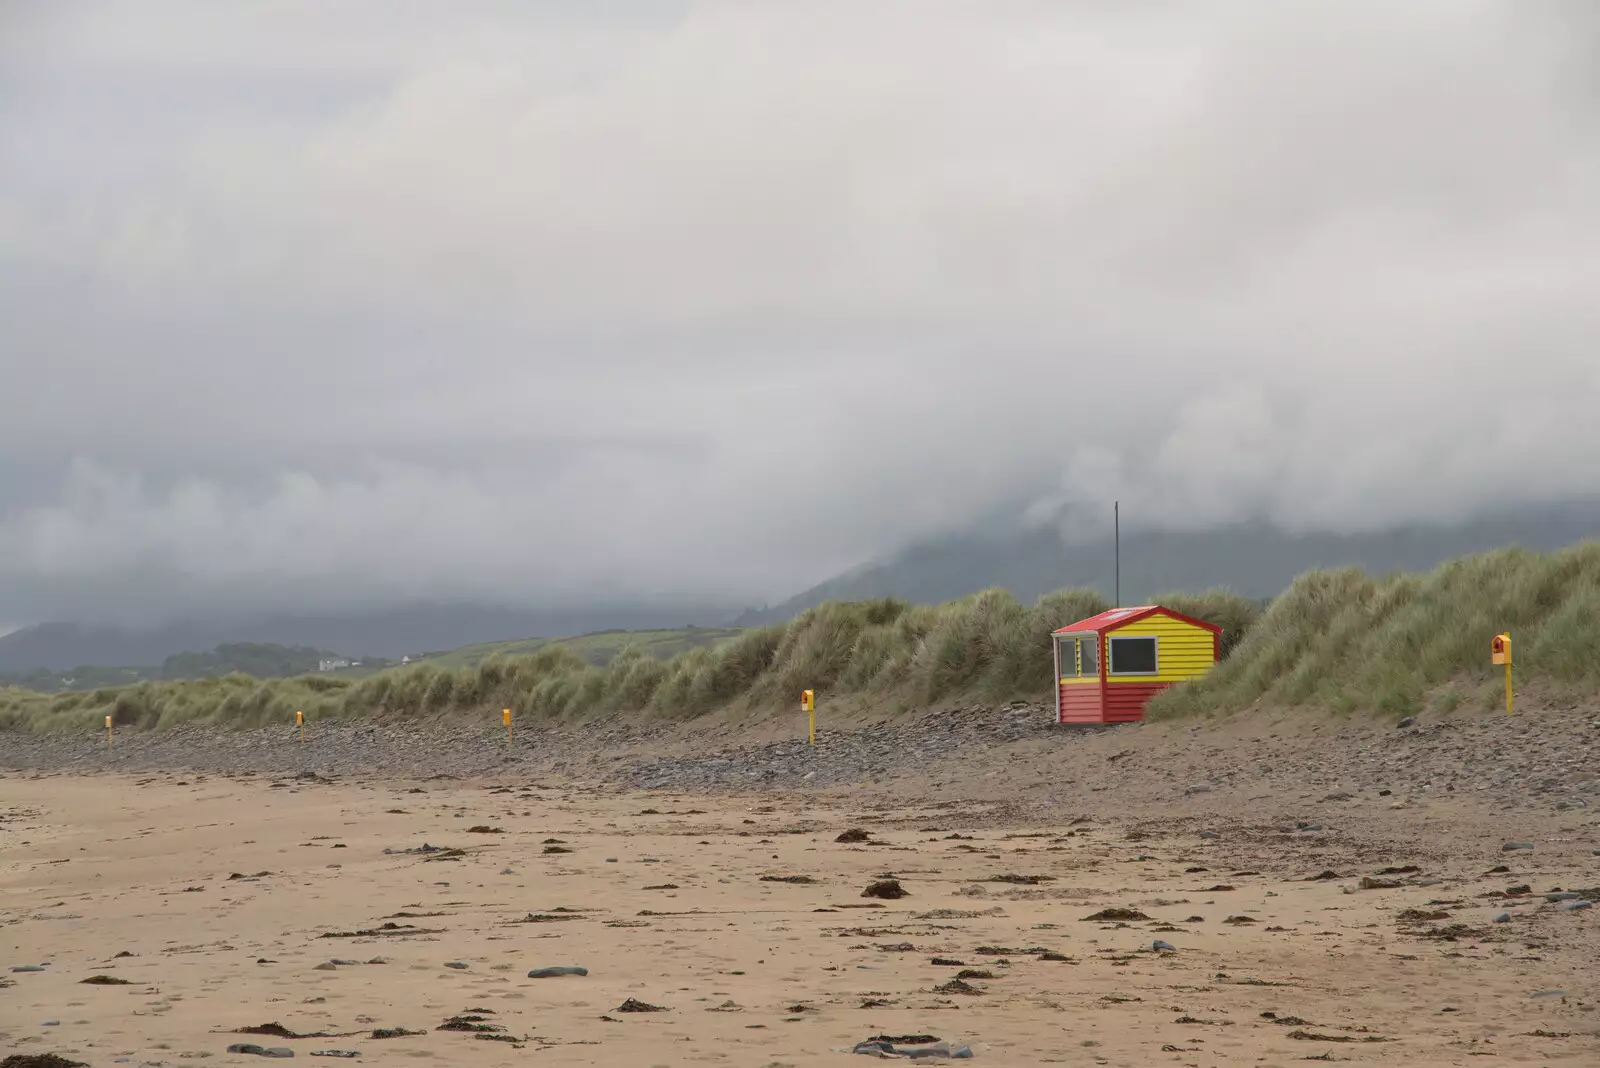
point(1182, 649)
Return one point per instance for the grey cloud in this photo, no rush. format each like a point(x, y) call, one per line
point(540, 303)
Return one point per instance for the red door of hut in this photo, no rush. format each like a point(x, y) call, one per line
point(1080, 679)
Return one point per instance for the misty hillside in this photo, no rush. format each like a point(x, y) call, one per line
point(389, 634)
point(258, 660)
point(1254, 561)
point(270, 661)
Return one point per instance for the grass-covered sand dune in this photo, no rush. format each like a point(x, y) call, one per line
point(1339, 640)
point(1402, 644)
point(886, 651)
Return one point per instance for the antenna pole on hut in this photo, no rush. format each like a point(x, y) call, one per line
point(1116, 528)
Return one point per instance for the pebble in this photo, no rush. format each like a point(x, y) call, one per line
point(557, 971)
point(1573, 906)
point(1509, 846)
point(1163, 947)
point(1504, 917)
point(1210, 834)
point(1197, 788)
point(877, 1047)
point(458, 965)
point(52, 1023)
point(1548, 994)
point(1562, 895)
point(1409, 721)
point(327, 966)
point(29, 968)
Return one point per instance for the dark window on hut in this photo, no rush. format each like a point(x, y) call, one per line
point(1132, 656)
point(1089, 656)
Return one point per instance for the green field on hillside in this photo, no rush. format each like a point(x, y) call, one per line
point(1340, 641)
point(599, 648)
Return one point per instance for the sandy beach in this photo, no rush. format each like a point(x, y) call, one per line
point(217, 904)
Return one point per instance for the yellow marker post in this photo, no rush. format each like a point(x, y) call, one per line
point(108, 732)
point(505, 717)
point(1500, 653)
point(808, 705)
point(300, 721)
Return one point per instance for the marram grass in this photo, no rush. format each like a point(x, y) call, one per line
point(987, 644)
point(1340, 640)
point(1398, 645)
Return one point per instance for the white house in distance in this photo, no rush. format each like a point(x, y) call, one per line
point(332, 665)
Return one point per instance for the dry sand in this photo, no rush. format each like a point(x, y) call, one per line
point(137, 879)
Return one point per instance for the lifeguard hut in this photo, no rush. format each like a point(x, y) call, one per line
point(1109, 666)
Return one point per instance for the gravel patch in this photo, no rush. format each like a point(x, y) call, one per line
point(1543, 758)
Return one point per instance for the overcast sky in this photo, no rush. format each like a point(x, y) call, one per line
point(316, 305)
